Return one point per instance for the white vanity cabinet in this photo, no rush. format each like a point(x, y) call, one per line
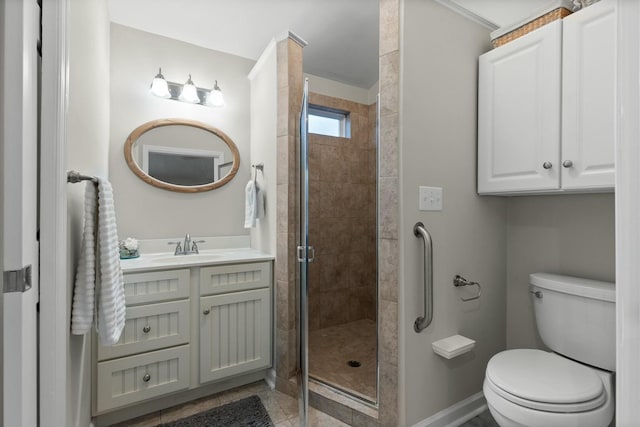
point(164, 337)
point(546, 108)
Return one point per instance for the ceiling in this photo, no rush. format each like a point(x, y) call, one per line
point(342, 34)
point(500, 13)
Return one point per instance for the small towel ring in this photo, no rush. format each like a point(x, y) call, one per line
point(458, 281)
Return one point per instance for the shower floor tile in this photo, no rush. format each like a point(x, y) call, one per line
point(330, 350)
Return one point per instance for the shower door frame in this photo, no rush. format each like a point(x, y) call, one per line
point(305, 255)
point(302, 375)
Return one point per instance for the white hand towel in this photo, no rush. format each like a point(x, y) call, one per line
point(82, 309)
point(110, 299)
point(112, 305)
point(259, 201)
point(250, 205)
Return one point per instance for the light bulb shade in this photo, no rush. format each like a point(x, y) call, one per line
point(189, 92)
point(159, 86)
point(215, 98)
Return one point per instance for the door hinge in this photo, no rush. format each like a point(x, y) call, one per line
point(17, 280)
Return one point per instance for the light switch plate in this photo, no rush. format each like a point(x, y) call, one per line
point(430, 198)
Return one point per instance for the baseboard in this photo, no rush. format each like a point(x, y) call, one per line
point(457, 414)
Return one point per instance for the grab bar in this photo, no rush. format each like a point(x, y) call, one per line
point(423, 321)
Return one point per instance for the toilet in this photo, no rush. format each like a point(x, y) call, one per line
point(572, 385)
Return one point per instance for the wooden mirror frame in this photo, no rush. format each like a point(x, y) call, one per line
point(154, 124)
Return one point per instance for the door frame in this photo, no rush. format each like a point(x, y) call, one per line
point(627, 214)
point(54, 322)
point(54, 332)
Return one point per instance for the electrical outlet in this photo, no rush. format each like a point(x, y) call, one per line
point(430, 198)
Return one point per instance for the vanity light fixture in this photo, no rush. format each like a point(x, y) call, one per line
point(187, 92)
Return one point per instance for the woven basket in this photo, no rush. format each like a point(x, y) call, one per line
point(554, 15)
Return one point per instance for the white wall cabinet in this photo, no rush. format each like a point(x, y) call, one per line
point(546, 108)
point(162, 336)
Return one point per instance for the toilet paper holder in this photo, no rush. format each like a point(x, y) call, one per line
point(459, 281)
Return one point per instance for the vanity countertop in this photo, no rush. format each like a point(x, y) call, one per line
point(164, 260)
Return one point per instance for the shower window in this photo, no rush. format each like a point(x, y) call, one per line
point(329, 122)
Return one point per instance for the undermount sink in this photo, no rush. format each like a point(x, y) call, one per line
point(184, 258)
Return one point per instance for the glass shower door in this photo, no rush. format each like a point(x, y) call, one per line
point(305, 255)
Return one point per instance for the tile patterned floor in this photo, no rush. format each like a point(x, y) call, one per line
point(331, 348)
point(282, 409)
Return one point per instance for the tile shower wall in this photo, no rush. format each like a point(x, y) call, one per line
point(290, 88)
point(342, 219)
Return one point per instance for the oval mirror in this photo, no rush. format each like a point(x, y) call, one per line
point(181, 155)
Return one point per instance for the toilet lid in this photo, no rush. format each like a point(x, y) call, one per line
point(545, 379)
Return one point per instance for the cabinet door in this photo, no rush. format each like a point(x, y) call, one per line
point(589, 97)
point(519, 114)
point(235, 333)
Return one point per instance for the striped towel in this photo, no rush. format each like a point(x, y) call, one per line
point(110, 304)
point(82, 308)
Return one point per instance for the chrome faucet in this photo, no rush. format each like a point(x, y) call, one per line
point(187, 244)
point(187, 247)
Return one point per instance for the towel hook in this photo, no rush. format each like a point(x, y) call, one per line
point(257, 167)
point(458, 281)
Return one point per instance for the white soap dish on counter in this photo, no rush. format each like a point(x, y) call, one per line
point(452, 346)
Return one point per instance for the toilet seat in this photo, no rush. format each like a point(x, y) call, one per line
point(545, 381)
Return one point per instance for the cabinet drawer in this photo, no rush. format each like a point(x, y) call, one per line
point(237, 277)
point(150, 327)
point(136, 378)
point(153, 286)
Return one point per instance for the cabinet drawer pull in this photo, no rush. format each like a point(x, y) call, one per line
point(146, 329)
point(206, 311)
point(146, 378)
point(567, 163)
point(547, 165)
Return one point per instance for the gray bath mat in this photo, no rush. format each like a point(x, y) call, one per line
point(248, 412)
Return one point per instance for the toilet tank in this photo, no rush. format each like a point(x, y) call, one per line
point(576, 317)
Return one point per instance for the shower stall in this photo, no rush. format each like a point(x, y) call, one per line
point(337, 252)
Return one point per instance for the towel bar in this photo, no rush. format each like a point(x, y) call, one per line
point(74, 177)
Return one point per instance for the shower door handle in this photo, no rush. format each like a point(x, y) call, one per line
point(311, 253)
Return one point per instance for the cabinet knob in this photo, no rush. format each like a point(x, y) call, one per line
point(146, 329)
point(547, 165)
point(206, 311)
point(567, 163)
point(146, 378)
